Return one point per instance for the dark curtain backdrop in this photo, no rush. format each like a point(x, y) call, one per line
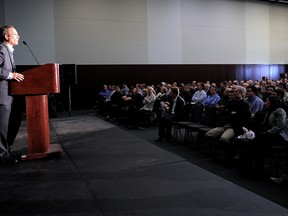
point(91, 78)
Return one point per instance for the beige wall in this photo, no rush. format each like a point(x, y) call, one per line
point(151, 31)
point(2, 15)
point(34, 21)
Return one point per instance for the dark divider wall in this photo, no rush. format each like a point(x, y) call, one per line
point(91, 78)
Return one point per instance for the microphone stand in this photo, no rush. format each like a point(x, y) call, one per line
point(24, 42)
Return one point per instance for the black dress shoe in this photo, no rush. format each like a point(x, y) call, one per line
point(166, 140)
point(16, 155)
point(9, 160)
point(159, 139)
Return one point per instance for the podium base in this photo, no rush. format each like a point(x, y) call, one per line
point(54, 151)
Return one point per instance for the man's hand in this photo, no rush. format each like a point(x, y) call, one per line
point(18, 77)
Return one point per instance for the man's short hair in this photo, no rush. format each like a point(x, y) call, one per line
point(253, 89)
point(175, 90)
point(3, 32)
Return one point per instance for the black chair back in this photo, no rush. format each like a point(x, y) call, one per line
point(197, 112)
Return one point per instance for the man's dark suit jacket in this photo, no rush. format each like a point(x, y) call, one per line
point(179, 108)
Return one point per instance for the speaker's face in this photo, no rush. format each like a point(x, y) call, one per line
point(12, 37)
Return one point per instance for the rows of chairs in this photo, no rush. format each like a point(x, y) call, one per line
point(198, 120)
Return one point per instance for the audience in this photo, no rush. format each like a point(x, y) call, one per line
point(238, 104)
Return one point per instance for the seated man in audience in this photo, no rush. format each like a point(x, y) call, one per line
point(207, 87)
point(113, 103)
point(104, 92)
point(131, 102)
point(268, 91)
point(237, 115)
point(283, 86)
point(172, 112)
point(256, 104)
point(160, 97)
point(200, 95)
point(186, 94)
point(102, 95)
point(197, 103)
point(221, 88)
point(213, 98)
point(125, 89)
point(105, 103)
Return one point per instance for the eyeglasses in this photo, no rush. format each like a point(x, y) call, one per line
point(17, 35)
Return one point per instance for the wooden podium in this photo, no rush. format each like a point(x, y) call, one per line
point(38, 83)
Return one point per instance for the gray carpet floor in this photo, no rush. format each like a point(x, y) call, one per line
point(106, 169)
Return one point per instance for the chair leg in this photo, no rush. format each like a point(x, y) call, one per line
point(188, 136)
point(175, 133)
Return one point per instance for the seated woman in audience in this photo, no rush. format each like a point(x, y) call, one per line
point(149, 100)
point(274, 131)
point(136, 118)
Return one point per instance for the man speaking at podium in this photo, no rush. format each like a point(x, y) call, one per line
point(8, 38)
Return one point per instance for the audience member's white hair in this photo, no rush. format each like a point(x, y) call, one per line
point(241, 89)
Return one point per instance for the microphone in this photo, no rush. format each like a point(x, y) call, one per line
point(24, 42)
